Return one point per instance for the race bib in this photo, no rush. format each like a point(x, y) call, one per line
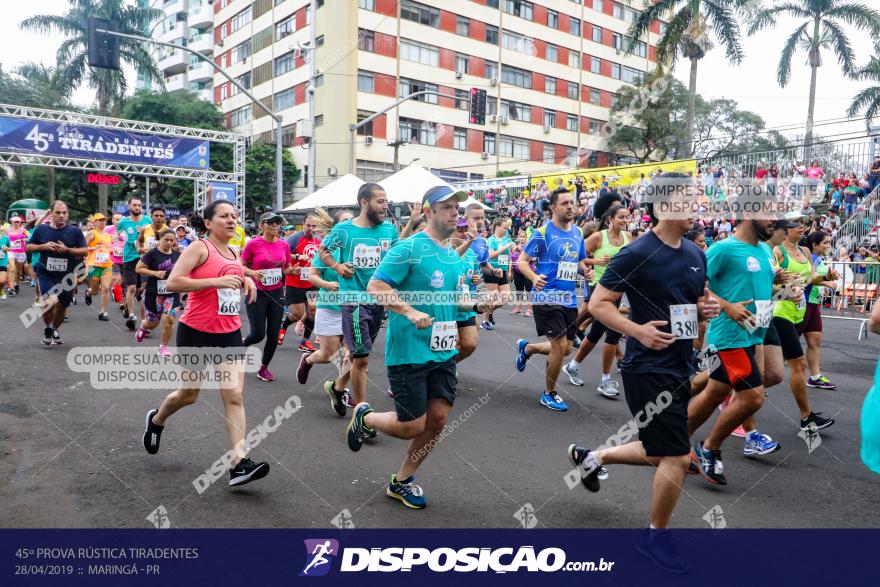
point(366, 257)
point(56, 264)
point(162, 287)
point(802, 304)
point(102, 257)
point(763, 313)
point(444, 336)
point(304, 273)
point(683, 320)
point(116, 251)
point(228, 301)
point(2, 254)
point(503, 259)
point(271, 276)
point(151, 243)
point(567, 271)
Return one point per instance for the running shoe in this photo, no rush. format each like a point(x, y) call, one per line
point(337, 400)
point(300, 328)
point(56, 338)
point(659, 546)
point(576, 343)
point(389, 393)
point(814, 419)
point(246, 471)
point(152, 433)
point(357, 430)
point(758, 444)
point(573, 375)
point(88, 297)
point(33, 283)
point(129, 323)
point(163, 350)
point(103, 317)
point(609, 388)
point(521, 356)
point(709, 461)
point(265, 374)
point(492, 319)
point(347, 399)
point(528, 313)
point(281, 334)
point(140, 334)
point(739, 432)
point(820, 382)
point(307, 347)
point(3, 296)
point(406, 491)
point(553, 402)
point(302, 371)
point(486, 325)
point(589, 476)
point(515, 311)
point(15, 289)
point(47, 336)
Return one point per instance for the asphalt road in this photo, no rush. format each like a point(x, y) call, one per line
point(72, 454)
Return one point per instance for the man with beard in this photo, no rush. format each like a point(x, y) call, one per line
point(362, 242)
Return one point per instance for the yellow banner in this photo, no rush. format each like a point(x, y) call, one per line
point(622, 175)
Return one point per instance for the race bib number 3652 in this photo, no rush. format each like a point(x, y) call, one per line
point(683, 320)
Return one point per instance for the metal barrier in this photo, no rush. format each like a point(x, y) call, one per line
point(855, 294)
point(862, 227)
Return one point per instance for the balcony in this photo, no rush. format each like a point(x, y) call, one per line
point(176, 83)
point(172, 7)
point(201, 72)
point(203, 43)
point(200, 14)
point(170, 34)
point(206, 95)
point(173, 62)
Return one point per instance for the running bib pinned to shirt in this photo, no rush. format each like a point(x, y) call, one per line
point(162, 287)
point(503, 259)
point(304, 273)
point(102, 257)
point(271, 276)
point(366, 257)
point(444, 336)
point(151, 243)
point(228, 301)
point(683, 321)
point(116, 251)
point(567, 271)
point(56, 264)
point(763, 313)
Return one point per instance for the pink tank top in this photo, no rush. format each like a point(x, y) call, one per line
point(212, 310)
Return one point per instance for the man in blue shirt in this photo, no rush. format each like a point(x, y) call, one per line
point(476, 218)
point(558, 250)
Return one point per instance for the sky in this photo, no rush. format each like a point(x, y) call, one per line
point(752, 84)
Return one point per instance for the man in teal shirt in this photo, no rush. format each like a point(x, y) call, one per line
point(421, 343)
point(132, 225)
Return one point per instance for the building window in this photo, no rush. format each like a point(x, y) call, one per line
point(571, 157)
point(418, 132)
point(624, 13)
point(242, 52)
point(489, 142)
point(599, 5)
point(516, 76)
point(288, 135)
point(550, 118)
point(461, 63)
point(492, 3)
point(572, 90)
point(244, 79)
point(519, 8)
point(663, 27)
point(284, 63)
point(571, 122)
point(617, 41)
point(549, 154)
point(240, 116)
point(367, 129)
point(366, 4)
point(462, 99)
point(518, 43)
point(552, 19)
point(615, 70)
point(366, 82)
point(549, 85)
point(574, 27)
point(516, 110)
point(284, 28)
point(641, 49)
point(574, 59)
point(595, 65)
point(595, 96)
point(408, 86)
point(424, 54)
point(459, 139)
point(463, 26)
point(243, 18)
point(597, 34)
point(367, 40)
point(514, 148)
point(319, 120)
point(420, 13)
point(552, 52)
point(595, 127)
point(491, 70)
point(284, 100)
point(615, 99)
point(492, 34)
point(224, 90)
point(629, 75)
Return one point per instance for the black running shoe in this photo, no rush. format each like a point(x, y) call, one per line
point(130, 323)
point(56, 338)
point(47, 336)
point(357, 429)
point(246, 471)
point(814, 419)
point(103, 317)
point(590, 478)
point(152, 433)
point(335, 396)
point(88, 297)
point(709, 461)
point(663, 550)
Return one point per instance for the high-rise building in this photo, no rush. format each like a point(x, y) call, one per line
point(551, 69)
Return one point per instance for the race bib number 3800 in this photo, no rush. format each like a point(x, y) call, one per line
point(683, 320)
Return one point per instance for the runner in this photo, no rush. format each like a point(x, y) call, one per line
point(811, 328)
point(657, 366)
point(470, 279)
point(602, 246)
point(559, 253)
point(522, 286)
point(500, 246)
point(212, 274)
point(362, 242)
point(420, 347)
point(5, 244)
point(265, 259)
point(18, 236)
point(303, 246)
point(788, 313)
point(148, 238)
point(61, 247)
point(99, 264)
point(130, 226)
point(160, 303)
point(476, 218)
point(117, 244)
point(328, 321)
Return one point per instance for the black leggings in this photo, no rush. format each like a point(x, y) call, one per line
point(265, 316)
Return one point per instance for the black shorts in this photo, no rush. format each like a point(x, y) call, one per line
point(129, 275)
point(360, 327)
point(472, 321)
point(771, 337)
point(663, 432)
point(297, 295)
point(789, 339)
point(189, 337)
point(414, 385)
point(597, 329)
point(812, 320)
point(489, 278)
point(738, 369)
point(521, 282)
point(555, 321)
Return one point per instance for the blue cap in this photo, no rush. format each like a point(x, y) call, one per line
point(441, 193)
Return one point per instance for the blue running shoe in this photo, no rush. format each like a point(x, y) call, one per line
point(709, 462)
point(663, 550)
point(486, 325)
point(406, 490)
point(757, 444)
point(521, 356)
point(357, 430)
point(554, 402)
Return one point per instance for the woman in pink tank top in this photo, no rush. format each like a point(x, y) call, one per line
point(212, 275)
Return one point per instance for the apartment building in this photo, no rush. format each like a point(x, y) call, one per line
point(551, 68)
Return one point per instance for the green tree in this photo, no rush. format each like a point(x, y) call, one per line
point(508, 173)
point(181, 109)
point(686, 36)
point(868, 100)
point(822, 29)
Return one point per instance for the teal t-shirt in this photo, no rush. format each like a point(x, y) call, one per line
point(738, 271)
point(502, 261)
point(470, 266)
point(326, 274)
point(4, 255)
point(130, 228)
point(420, 264)
point(362, 248)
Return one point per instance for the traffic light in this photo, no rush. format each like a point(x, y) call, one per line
point(103, 48)
point(478, 106)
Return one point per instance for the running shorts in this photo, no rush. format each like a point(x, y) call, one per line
point(503, 280)
point(472, 321)
point(129, 275)
point(771, 337)
point(597, 329)
point(157, 306)
point(98, 272)
point(297, 295)
point(328, 322)
point(360, 327)
point(789, 339)
point(555, 321)
point(738, 369)
point(521, 282)
point(663, 432)
point(812, 320)
point(47, 282)
point(188, 337)
point(19, 257)
point(413, 385)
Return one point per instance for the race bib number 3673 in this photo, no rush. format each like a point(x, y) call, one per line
point(444, 336)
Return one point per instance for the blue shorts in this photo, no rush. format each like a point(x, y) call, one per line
point(49, 282)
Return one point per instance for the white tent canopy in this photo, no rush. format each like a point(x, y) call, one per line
point(473, 200)
point(340, 193)
point(410, 184)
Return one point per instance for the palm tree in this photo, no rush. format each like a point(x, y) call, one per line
point(868, 100)
point(820, 30)
point(72, 57)
point(686, 36)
